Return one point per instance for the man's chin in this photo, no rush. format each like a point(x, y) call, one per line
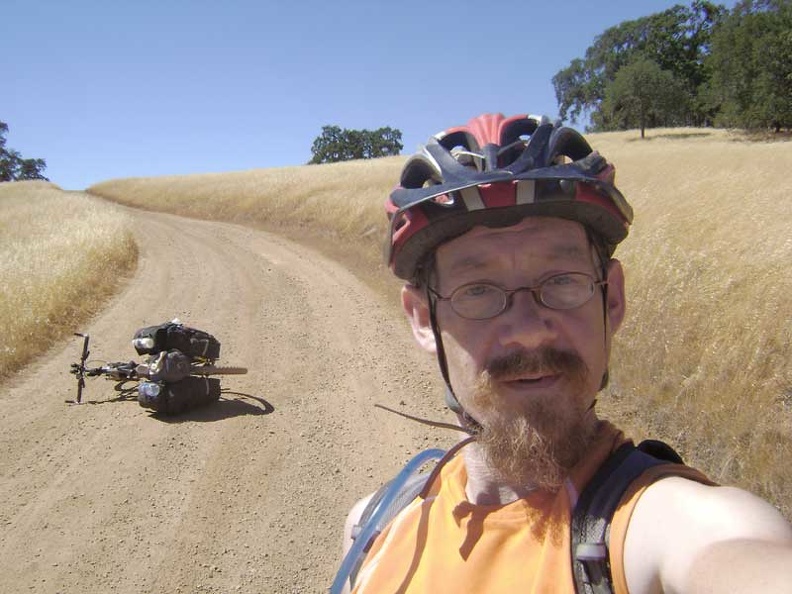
point(536, 453)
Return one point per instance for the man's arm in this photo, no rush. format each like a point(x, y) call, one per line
point(743, 566)
point(685, 537)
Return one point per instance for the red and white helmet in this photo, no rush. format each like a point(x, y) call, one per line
point(494, 172)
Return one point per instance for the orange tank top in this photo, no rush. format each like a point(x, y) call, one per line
point(446, 544)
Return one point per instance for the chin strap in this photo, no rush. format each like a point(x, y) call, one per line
point(470, 425)
point(604, 286)
point(450, 397)
point(429, 422)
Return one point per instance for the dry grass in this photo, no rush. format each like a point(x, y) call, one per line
point(335, 207)
point(703, 357)
point(343, 199)
point(62, 254)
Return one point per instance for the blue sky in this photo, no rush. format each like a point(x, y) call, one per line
point(107, 89)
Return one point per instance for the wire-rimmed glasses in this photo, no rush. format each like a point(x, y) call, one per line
point(482, 301)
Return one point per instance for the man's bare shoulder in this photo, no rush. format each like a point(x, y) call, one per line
point(720, 511)
point(677, 522)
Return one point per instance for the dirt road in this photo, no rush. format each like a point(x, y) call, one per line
point(248, 495)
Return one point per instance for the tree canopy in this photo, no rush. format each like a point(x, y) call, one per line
point(704, 65)
point(13, 167)
point(335, 144)
point(751, 65)
point(642, 94)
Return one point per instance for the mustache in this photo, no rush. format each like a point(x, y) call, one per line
point(545, 360)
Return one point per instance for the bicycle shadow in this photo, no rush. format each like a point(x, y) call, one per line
point(225, 408)
point(125, 394)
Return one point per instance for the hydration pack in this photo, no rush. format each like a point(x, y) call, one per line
point(196, 344)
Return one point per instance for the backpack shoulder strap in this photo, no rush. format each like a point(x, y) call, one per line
point(592, 515)
point(401, 499)
point(392, 497)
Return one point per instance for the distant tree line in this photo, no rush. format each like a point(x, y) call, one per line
point(335, 144)
point(13, 167)
point(698, 65)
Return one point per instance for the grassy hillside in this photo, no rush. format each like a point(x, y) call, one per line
point(61, 255)
point(703, 358)
point(338, 206)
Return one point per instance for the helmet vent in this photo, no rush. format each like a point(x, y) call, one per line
point(468, 158)
point(461, 139)
point(519, 129)
point(444, 200)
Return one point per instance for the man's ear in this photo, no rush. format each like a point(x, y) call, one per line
point(616, 305)
point(416, 307)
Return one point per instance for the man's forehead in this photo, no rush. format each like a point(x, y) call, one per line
point(539, 237)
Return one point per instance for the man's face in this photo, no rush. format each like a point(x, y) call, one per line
point(530, 374)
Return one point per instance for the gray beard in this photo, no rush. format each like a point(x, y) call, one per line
point(536, 445)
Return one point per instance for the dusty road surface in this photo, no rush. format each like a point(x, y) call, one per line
point(248, 495)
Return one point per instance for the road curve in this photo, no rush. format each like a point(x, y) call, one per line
point(248, 495)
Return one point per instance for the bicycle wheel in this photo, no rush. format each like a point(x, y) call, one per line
point(80, 386)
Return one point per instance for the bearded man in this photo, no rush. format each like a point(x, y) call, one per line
point(504, 231)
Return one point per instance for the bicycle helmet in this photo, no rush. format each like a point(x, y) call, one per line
point(495, 171)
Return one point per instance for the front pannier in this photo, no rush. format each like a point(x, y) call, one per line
point(196, 344)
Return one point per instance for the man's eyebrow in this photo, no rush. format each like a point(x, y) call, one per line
point(568, 250)
point(468, 263)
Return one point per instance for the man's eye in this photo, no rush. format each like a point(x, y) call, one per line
point(563, 280)
point(472, 291)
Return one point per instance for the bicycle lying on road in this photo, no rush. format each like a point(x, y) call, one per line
point(174, 378)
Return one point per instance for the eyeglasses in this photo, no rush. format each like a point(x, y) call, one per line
point(482, 301)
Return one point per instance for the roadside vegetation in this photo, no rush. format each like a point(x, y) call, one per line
point(337, 207)
point(62, 254)
point(686, 66)
point(703, 358)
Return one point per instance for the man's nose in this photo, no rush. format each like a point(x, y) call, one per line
point(525, 321)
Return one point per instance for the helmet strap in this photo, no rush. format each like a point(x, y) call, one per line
point(605, 376)
point(469, 424)
point(450, 397)
point(603, 258)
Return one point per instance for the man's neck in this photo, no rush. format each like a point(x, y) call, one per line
point(484, 487)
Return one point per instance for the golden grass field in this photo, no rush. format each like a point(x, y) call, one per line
point(61, 254)
point(703, 357)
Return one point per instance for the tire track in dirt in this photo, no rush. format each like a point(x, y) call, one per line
point(248, 495)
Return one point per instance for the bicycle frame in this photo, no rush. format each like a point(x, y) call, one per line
point(132, 371)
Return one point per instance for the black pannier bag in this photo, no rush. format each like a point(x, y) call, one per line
point(169, 366)
point(196, 344)
point(178, 397)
